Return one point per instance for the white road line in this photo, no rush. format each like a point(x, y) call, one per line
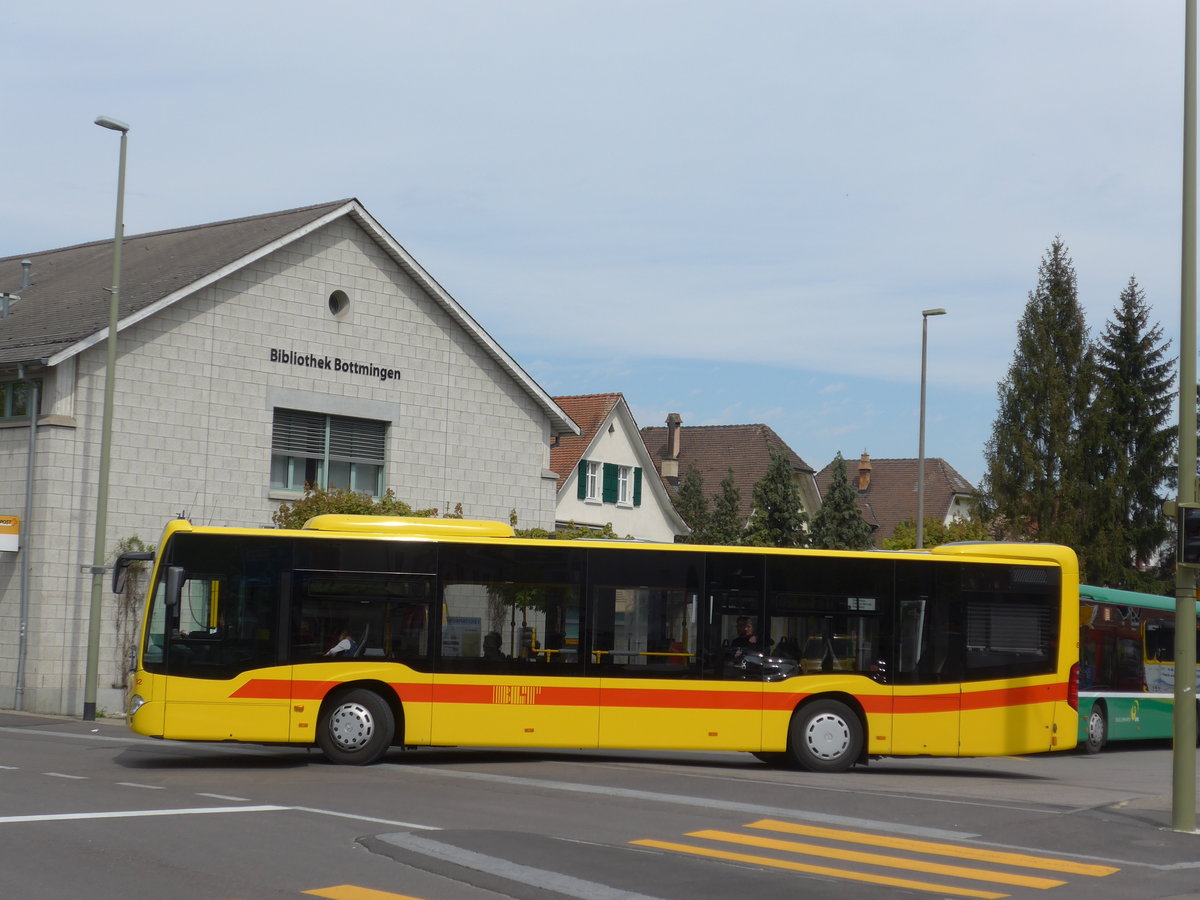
point(139, 813)
point(224, 797)
point(811, 816)
point(134, 784)
point(342, 815)
point(65, 775)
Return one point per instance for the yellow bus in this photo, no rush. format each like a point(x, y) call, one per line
point(361, 633)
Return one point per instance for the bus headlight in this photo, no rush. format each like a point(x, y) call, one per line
point(135, 703)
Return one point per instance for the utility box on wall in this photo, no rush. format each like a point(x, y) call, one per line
point(10, 533)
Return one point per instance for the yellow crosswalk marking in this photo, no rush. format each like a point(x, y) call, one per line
point(976, 853)
point(845, 874)
point(879, 859)
point(832, 853)
point(353, 892)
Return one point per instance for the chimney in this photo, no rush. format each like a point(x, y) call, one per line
point(26, 266)
point(864, 472)
point(670, 463)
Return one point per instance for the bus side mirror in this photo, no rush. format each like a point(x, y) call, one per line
point(120, 572)
point(175, 579)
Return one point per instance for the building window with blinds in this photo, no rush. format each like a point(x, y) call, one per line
point(310, 449)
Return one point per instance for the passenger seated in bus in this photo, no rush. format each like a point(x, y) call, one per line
point(345, 646)
point(746, 640)
point(678, 653)
point(491, 645)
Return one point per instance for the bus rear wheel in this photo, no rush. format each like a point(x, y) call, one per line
point(825, 736)
point(1097, 730)
point(356, 728)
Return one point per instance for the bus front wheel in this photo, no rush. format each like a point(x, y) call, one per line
point(1097, 730)
point(356, 728)
point(825, 736)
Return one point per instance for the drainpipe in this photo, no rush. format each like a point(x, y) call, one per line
point(35, 400)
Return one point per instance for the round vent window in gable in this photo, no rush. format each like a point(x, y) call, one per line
point(338, 303)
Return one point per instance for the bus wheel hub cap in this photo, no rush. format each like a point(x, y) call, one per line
point(828, 737)
point(351, 726)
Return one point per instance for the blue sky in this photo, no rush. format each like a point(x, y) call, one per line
point(735, 211)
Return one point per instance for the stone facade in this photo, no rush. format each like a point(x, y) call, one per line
point(197, 384)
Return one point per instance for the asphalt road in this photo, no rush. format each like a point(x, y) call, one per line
point(90, 810)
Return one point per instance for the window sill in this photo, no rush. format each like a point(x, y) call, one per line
point(43, 421)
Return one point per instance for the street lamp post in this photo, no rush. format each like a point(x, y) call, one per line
point(98, 568)
point(925, 314)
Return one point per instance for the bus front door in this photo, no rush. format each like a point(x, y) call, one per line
point(221, 658)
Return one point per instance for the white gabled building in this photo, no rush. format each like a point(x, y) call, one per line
point(255, 355)
point(606, 474)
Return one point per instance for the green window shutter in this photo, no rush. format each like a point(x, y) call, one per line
point(581, 474)
point(637, 486)
point(610, 483)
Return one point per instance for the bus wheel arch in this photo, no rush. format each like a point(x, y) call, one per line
point(1097, 728)
point(827, 734)
point(358, 722)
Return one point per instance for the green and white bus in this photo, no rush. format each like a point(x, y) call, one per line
point(1126, 666)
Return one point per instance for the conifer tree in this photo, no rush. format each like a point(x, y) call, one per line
point(778, 519)
point(1034, 456)
point(838, 524)
point(1135, 438)
point(725, 524)
point(692, 506)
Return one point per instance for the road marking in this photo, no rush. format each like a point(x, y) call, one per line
point(879, 859)
point(139, 813)
point(341, 815)
point(706, 803)
point(147, 787)
point(907, 864)
point(354, 892)
point(224, 797)
point(65, 775)
point(842, 874)
point(976, 853)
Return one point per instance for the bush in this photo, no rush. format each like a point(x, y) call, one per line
point(322, 501)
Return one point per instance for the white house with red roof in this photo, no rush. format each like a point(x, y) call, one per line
point(606, 474)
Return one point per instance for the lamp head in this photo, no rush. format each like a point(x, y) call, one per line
point(114, 124)
point(933, 312)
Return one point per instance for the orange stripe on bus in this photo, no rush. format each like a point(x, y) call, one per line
point(663, 698)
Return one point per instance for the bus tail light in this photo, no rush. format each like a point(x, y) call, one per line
point(1073, 687)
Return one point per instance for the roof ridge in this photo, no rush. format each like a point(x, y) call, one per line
point(745, 425)
point(180, 230)
point(587, 396)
